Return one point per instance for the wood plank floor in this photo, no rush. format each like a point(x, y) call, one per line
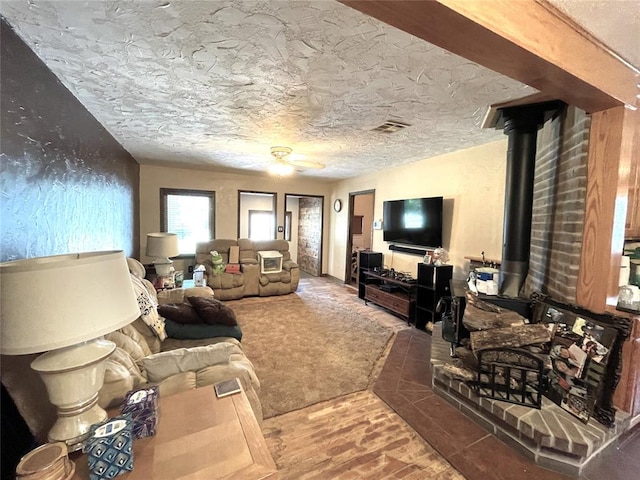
point(352, 437)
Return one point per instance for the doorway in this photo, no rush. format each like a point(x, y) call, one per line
point(303, 227)
point(257, 215)
point(360, 234)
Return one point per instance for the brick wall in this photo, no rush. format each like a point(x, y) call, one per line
point(558, 206)
point(310, 235)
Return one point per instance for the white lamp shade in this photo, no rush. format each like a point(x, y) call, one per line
point(162, 245)
point(58, 301)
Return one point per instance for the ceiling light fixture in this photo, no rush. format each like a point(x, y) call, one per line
point(281, 167)
point(284, 166)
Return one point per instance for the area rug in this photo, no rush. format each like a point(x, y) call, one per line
point(313, 345)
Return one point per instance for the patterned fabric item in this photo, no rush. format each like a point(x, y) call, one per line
point(148, 309)
point(142, 404)
point(109, 448)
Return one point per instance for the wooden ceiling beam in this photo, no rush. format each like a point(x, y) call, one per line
point(527, 40)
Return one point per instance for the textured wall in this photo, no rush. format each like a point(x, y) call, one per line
point(67, 185)
point(472, 184)
point(226, 186)
point(310, 235)
point(558, 206)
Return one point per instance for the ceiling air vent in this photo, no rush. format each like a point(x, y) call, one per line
point(391, 126)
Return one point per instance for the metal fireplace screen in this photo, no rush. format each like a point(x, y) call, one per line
point(510, 374)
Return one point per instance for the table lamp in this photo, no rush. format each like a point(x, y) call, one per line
point(161, 246)
point(60, 305)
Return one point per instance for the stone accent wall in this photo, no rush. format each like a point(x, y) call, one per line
point(558, 206)
point(310, 235)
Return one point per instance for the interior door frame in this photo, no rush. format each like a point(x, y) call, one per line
point(352, 195)
point(322, 221)
point(275, 210)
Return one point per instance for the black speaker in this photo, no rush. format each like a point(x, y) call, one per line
point(370, 259)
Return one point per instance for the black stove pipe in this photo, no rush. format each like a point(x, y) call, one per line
point(521, 125)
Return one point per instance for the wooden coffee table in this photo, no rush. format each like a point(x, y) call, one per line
point(199, 436)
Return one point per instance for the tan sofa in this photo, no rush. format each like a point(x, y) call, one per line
point(249, 281)
point(174, 365)
point(140, 359)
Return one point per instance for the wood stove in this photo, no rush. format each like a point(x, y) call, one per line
point(503, 372)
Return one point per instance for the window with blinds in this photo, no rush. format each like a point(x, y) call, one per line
point(190, 215)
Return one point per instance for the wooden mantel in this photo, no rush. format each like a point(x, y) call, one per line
point(527, 40)
point(533, 42)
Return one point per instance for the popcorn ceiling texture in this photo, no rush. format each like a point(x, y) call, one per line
point(616, 21)
point(217, 83)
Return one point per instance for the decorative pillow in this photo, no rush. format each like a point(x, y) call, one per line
point(179, 312)
point(148, 310)
point(213, 311)
point(181, 331)
point(166, 364)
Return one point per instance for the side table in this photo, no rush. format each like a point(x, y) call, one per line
point(199, 436)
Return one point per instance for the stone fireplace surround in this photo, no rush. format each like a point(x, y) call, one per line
point(550, 436)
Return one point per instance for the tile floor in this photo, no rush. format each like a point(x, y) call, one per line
point(405, 385)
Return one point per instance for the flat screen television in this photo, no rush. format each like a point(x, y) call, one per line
point(415, 221)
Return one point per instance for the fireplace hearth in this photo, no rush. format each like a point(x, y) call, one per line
point(550, 436)
point(502, 388)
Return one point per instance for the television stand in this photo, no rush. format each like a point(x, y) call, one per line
point(397, 296)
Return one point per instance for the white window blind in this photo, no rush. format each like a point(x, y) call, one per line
point(189, 215)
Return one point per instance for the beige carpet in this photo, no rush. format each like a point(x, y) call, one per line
point(313, 345)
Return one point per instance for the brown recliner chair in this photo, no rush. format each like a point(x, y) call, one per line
point(279, 283)
point(249, 281)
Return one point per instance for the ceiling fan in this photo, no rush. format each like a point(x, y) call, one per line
point(284, 166)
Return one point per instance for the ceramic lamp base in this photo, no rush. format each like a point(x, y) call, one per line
point(163, 267)
point(73, 377)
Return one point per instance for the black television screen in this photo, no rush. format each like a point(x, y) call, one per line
point(415, 221)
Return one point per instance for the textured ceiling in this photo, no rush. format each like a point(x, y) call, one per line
point(615, 22)
point(217, 83)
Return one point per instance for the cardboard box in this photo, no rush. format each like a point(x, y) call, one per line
point(234, 254)
point(232, 268)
